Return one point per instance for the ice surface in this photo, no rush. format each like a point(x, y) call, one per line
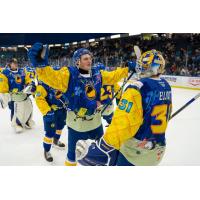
point(183, 137)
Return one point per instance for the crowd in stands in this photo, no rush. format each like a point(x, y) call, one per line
point(181, 52)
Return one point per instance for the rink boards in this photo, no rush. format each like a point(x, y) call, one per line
point(184, 82)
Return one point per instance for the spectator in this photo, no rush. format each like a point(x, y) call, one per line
point(181, 52)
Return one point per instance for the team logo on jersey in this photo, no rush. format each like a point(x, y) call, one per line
point(90, 92)
point(18, 79)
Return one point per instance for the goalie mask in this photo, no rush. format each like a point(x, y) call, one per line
point(150, 63)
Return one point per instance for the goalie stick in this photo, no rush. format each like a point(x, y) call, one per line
point(184, 106)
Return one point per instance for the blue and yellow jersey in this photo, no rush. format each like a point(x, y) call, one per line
point(143, 113)
point(48, 98)
point(157, 107)
point(13, 81)
point(59, 79)
point(108, 91)
point(30, 72)
point(81, 90)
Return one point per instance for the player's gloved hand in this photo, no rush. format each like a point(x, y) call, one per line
point(87, 110)
point(30, 89)
point(100, 154)
point(38, 55)
point(49, 117)
point(131, 65)
point(91, 107)
point(62, 98)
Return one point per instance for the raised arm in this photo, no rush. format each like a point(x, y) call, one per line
point(57, 79)
point(110, 78)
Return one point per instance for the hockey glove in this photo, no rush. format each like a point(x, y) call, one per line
point(131, 65)
point(38, 55)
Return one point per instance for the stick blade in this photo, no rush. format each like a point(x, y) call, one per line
point(137, 51)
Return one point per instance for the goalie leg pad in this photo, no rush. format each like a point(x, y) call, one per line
point(13, 117)
point(4, 99)
point(23, 111)
point(94, 157)
point(100, 154)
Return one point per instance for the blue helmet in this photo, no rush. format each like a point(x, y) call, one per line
point(78, 53)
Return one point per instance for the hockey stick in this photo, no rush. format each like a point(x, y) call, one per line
point(138, 54)
point(184, 106)
point(137, 51)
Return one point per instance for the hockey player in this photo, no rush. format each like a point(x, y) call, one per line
point(52, 104)
point(107, 93)
point(17, 83)
point(139, 123)
point(81, 85)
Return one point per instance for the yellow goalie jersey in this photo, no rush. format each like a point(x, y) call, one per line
point(127, 119)
point(140, 121)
